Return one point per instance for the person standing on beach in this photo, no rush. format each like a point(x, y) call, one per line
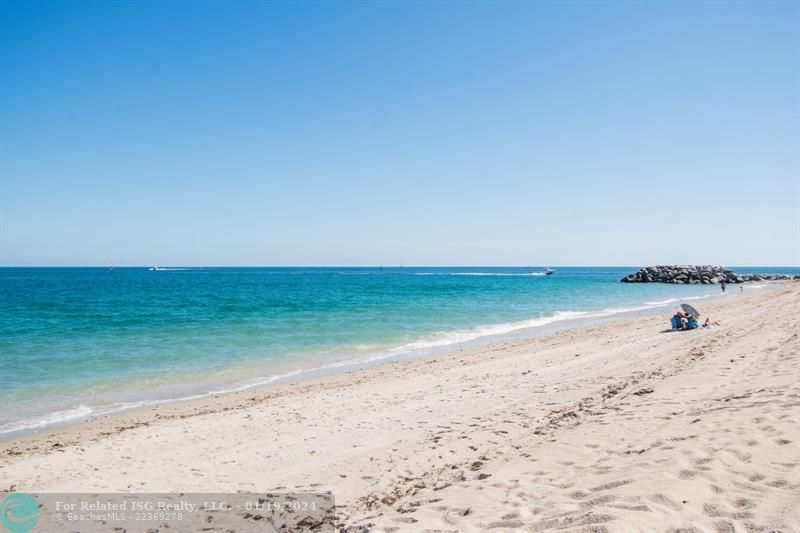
point(722, 286)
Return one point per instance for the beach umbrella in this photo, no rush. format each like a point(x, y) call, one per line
point(689, 310)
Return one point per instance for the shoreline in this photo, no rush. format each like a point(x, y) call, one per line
point(426, 346)
point(139, 415)
point(613, 423)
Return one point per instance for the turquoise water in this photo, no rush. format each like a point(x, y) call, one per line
point(80, 341)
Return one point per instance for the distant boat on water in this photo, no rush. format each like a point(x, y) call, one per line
point(154, 269)
point(549, 271)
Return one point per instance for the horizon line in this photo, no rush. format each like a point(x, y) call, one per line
point(396, 266)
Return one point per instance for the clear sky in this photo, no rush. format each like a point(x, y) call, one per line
point(386, 133)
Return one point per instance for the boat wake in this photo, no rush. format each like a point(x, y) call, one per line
point(499, 274)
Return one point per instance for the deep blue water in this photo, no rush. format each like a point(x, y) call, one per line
point(81, 340)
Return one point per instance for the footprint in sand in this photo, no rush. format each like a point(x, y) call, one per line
point(723, 526)
point(602, 500)
point(713, 510)
point(666, 501)
point(612, 485)
point(744, 503)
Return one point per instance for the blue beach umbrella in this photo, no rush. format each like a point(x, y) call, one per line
point(691, 311)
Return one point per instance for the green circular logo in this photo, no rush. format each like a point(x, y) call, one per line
point(20, 512)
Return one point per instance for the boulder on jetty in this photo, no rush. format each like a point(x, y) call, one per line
point(696, 275)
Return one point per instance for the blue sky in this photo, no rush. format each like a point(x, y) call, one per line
point(416, 133)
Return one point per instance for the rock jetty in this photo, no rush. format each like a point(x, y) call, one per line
point(697, 275)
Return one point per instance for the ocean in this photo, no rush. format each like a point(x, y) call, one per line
point(82, 342)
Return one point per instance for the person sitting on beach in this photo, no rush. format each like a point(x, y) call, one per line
point(691, 323)
point(677, 321)
point(710, 323)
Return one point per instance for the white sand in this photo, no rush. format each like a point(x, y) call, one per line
point(617, 427)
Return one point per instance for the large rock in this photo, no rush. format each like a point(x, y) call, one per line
point(694, 274)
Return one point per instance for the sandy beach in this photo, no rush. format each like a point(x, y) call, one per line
point(615, 427)
point(351, 267)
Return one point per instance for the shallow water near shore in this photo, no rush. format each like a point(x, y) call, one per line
point(78, 342)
